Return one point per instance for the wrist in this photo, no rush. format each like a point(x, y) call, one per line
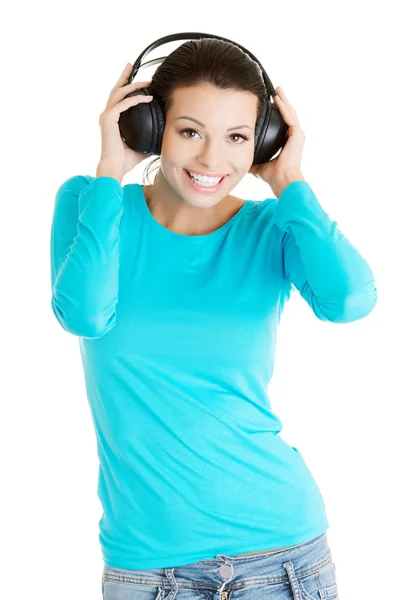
point(283, 180)
point(105, 169)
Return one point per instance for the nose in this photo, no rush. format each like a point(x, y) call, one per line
point(210, 157)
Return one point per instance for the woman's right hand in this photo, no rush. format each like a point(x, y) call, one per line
point(115, 153)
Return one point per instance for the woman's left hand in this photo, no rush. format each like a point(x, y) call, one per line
point(288, 162)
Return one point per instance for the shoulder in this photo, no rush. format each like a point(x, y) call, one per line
point(263, 207)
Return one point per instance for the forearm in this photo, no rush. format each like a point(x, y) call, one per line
point(85, 254)
point(328, 271)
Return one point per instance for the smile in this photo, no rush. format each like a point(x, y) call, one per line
point(205, 184)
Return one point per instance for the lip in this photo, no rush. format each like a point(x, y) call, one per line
point(207, 173)
point(201, 188)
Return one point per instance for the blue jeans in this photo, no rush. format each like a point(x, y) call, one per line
point(304, 572)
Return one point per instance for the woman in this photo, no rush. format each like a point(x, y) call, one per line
point(176, 290)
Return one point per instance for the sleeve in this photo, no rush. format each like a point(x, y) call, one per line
point(328, 271)
point(84, 251)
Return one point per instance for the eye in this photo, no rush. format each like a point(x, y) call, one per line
point(233, 134)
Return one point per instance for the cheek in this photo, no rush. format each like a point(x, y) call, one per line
point(243, 167)
point(174, 157)
point(172, 146)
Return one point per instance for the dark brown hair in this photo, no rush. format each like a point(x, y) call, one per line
point(208, 60)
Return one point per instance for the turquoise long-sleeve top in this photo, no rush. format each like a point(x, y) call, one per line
point(177, 336)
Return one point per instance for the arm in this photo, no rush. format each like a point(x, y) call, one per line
point(85, 254)
point(328, 271)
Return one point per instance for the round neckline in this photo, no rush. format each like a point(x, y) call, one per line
point(180, 236)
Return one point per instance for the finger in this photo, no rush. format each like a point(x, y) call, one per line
point(119, 92)
point(284, 99)
point(123, 91)
point(289, 116)
point(287, 109)
point(136, 85)
point(281, 93)
point(280, 104)
point(124, 76)
point(282, 96)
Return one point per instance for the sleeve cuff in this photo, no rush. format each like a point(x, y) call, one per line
point(297, 200)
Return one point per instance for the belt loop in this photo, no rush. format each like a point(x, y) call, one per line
point(293, 580)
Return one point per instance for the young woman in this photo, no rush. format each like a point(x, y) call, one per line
point(176, 290)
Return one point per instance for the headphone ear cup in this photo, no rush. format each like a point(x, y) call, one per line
point(259, 129)
point(142, 126)
point(271, 133)
point(158, 116)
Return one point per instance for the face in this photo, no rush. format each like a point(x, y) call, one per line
point(216, 146)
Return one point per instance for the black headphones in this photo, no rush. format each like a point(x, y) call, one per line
point(142, 126)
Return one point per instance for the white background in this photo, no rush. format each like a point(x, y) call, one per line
point(335, 386)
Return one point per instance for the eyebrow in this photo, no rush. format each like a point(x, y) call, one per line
point(202, 124)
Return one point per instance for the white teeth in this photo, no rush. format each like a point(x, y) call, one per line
point(203, 180)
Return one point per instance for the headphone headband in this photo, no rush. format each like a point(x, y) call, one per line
point(197, 36)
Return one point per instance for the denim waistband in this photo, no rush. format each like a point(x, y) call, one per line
point(228, 573)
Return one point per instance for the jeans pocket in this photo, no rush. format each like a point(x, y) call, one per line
point(114, 588)
point(321, 585)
